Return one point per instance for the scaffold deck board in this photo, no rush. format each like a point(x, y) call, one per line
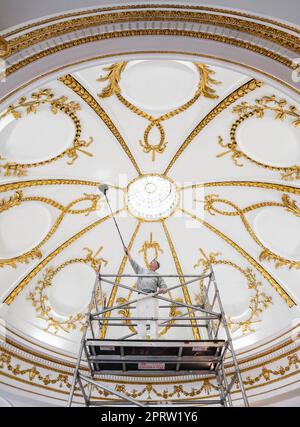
point(139, 356)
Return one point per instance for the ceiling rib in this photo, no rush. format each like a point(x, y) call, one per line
point(80, 90)
point(182, 281)
point(251, 184)
point(278, 288)
point(26, 280)
point(114, 290)
point(218, 109)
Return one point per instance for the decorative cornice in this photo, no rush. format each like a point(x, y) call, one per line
point(261, 375)
point(74, 85)
point(152, 32)
point(287, 40)
point(154, 6)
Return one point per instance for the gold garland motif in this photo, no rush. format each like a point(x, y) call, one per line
point(40, 300)
point(46, 97)
point(293, 361)
point(245, 110)
point(113, 77)
point(19, 198)
point(80, 90)
point(205, 388)
point(150, 244)
point(289, 205)
point(259, 301)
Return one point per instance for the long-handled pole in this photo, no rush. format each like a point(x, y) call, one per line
point(104, 188)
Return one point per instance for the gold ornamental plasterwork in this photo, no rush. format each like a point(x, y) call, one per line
point(31, 106)
point(40, 300)
point(10, 186)
point(151, 32)
point(274, 35)
point(19, 198)
point(74, 85)
point(218, 109)
point(113, 76)
point(34, 376)
point(150, 245)
point(284, 295)
point(27, 279)
point(259, 300)
point(197, 8)
point(246, 110)
point(211, 202)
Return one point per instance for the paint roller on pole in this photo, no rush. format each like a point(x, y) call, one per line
point(104, 189)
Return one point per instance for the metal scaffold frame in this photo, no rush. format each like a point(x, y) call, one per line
point(208, 361)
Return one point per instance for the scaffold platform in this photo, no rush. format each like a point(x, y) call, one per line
point(126, 355)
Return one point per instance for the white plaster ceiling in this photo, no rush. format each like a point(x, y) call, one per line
point(248, 212)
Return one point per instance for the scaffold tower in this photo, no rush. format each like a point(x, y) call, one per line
point(126, 355)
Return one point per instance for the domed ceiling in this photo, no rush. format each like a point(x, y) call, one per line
point(203, 165)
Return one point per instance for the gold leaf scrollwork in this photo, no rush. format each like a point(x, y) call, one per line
point(40, 300)
point(18, 198)
point(150, 244)
point(113, 77)
point(211, 202)
point(245, 110)
point(259, 300)
point(200, 388)
point(12, 201)
point(31, 106)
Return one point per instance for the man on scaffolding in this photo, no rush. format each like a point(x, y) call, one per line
point(147, 306)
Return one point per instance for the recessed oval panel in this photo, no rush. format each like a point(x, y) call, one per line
point(71, 289)
point(278, 230)
point(159, 85)
point(22, 228)
point(35, 137)
point(234, 291)
point(269, 141)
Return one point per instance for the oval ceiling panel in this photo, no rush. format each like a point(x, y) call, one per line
point(35, 137)
point(22, 228)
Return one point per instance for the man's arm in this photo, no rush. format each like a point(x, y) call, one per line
point(162, 286)
point(136, 267)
